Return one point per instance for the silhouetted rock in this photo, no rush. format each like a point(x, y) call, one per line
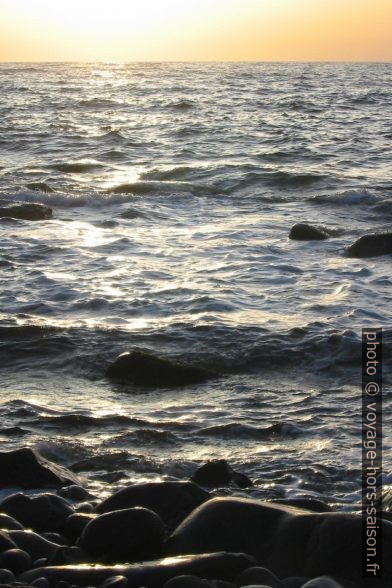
point(36, 546)
point(6, 541)
point(172, 501)
point(25, 468)
point(305, 232)
point(146, 370)
point(285, 540)
point(294, 582)
point(187, 582)
point(9, 523)
point(25, 210)
point(124, 535)
point(311, 504)
point(371, 245)
point(6, 577)
point(218, 473)
point(15, 560)
point(257, 576)
point(45, 512)
point(220, 566)
point(322, 582)
point(75, 524)
point(75, 493)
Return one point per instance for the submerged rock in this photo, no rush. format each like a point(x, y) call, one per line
point(219, 566)
point(287, 541)
point(124, 535)
point(46, 512)
point(218, 473)
point(172, 501)
point(25, 468)
point(371, 245)
point(305, 232)
point(40, 187)
point(25, 210)
point(146, 370)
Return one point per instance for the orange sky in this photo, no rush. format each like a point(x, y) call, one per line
point(181, 30)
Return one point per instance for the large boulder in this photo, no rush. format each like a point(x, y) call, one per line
point(147, 370)
point(6, 541)
point(25, 468)
point(216, 566)
point(371, 245)
point(172, 501)
point(219, 473)
point(36, 546)
point(124, 535)
point(46, 512)
point(9, 523)
point(25, 210)
point(305, 232)
point(287, 541)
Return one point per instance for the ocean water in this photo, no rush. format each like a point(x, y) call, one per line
point(174, 187)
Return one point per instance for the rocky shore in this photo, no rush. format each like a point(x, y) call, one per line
point(55, 534)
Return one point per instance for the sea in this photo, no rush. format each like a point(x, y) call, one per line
point(174, 187)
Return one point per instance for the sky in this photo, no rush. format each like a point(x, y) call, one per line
point(195, 30)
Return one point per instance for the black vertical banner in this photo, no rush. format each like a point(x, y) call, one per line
point(371, 453)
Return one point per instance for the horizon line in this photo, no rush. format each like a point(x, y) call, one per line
point(125, 62)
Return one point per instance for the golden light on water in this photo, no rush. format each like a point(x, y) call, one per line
point(175, 30)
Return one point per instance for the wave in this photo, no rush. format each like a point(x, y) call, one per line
point(346, 198)
point(240, 431)
point(77, 167)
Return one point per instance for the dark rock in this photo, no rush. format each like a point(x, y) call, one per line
point(294, 582)
point(322, 582)
point(223, 584)
point(258, 576)
point(55, 537)
point(305, 232)
point(25, 211)
point(75, 493)
point(116, 582)
point(40, 583)
point(219, 473)
point(7, 577)
point(25, 468)
point(9, 523)
point(220, 566)
point(33, 543)
point(40, 187)
point(16, 560)
point(371, 245)
point(187, 582)
point(127, 535)
point(287, 541)
point(85, 507)
point(146, 370)
point(40, 563)
point(75, 524)
point(6, 541)
point(46, 512)
point(172, 501)
point(65, 555)
point(311, 504)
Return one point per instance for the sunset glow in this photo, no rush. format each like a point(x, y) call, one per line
point(160, 30)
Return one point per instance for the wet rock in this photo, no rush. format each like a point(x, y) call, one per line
point(75, 493)
point(294, 582)
point(311, 504)
point(6, 541)
point(40, 583)
point(64, 556)
point(220, 566)
point(76, 523)
point(126, 535)
point(258, 576)
point(187, 582)
point(172, 501)
point(322, 582)
point(9, 523)
point(6, 577)
point(371, 245)
point(146, 370)
point(46, 512)
point(55, 537)
point(219, 473)
point(25, 468)
point(85, 507)
point(25, 211)
point(40, 187)
point(15, 560)
point(305, 232)
point(116, 582)
point(285, 540)
point(34, 544)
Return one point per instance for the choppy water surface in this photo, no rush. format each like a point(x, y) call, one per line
point(174, 188)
